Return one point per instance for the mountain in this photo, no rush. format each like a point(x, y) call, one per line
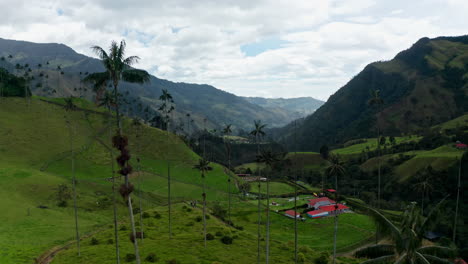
point(297, 107)
point(41, 61)
point(422, 86)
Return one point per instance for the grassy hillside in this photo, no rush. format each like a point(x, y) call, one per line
point(36, 159)
point(422, 86)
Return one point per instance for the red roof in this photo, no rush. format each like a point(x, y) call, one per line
point(315, 212)
point(291, 213)
point(331, 190)
point(312, 202)
point(329, 208)
point(461, 145)
point(460, 261)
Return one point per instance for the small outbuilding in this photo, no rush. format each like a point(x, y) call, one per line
point(291, 213)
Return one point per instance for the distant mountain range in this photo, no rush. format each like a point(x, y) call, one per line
point(218, 107)
point(422, 86)
point(299, 107)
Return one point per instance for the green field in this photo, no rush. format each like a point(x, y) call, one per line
point(276, 188)
point(371, 144)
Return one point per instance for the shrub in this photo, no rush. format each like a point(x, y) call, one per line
point(94, 241)
point(189, 210)
point(207, 217)
point(110, 241)
point(239, 228)
point(172, 261)
point(189, 223)
point(145, 215)
point(219, 210)
point(136, 210)
point(226, 240)
point(219, 233)
point(301, 258)
point(62, 204)
point(123, 228)
point(130, 257)
point(198, 218)
point(151, 258)
point(209, 236)
point(323, 259)
point(157, 215)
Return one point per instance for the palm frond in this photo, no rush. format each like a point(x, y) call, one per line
point(131, 60)
point(383, 259)
point(100, 52)
point(381, 220)
point(436, 260)
point(135, 76)
point(431, 218)
point(422, 258)
point(375, 251)
point(438, 251)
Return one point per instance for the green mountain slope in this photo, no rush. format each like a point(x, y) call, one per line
point(422, 86)
point(201, 101)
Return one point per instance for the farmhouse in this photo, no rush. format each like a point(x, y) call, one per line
point(461, 146)
point(317, 203)
point(291, 213)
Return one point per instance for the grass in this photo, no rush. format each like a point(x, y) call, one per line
point(276, 188)
point(454, 123)
point(371, 144)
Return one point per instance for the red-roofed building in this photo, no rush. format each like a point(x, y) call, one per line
point(460, 261)
point(317, 213)
point(331, 190)
point(290, 213)
point(332, 209)
point(461, 146)
point(317, 203)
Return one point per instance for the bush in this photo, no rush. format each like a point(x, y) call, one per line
point(209, 236)
point(123, 228)
point(323, 259)
point(145, 215)
point(239, 228)
point(136, 210)
point(62, 204)
point(94, 241)
point(219, 233)
point(172, 261)
point(198, 218)
point(189, 210)
point(130, 257)
point(157, 215)
point(219, 210)
point(207, 217)
point(189, 223)
point(151, 258)
point(301, 258)
point(110, 241)
point(226, 240)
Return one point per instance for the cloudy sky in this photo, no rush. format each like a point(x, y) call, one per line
point(269, 48)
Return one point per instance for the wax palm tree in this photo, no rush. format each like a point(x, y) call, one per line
point(69, 106)
point(463, 160)
point(204, 167)
point(406, 239)
point(226, 132)
point(118, 68)
point(108, 102)
point(270, 159)
point(166, 108)
point(377, 102)
point(335, 168)
point(99, 81)
point(424, 186)
point(258, 132)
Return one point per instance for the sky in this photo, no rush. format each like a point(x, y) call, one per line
point(267, 48)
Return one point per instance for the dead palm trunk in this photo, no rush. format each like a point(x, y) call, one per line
point(458, 199)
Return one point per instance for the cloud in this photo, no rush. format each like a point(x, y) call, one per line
point(298, 48)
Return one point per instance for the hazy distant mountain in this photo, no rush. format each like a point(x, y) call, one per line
point(200, 101)
point(298, 107)
point(422, 86)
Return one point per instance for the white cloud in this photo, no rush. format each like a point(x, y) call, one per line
point(326, 42)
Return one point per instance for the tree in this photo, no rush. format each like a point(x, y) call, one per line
point(226, 132)
point(119, 68)
point(204, 167)
point(407, 238)
point(335, 168)
point(69, 106)
point(258, 132)
point(463, 159)
point(270, 159)
point(166, 108)
point(324, 152)
point(377, 101)
point(424, 186)
point(99, 81)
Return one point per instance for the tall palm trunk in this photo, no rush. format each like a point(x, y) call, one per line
point(77, 233)
point(114, 202)
point(295, 192)
point(458, 199)
point(259, 222)
point(129, 198)
point(336, 219)
point(204, 209)
point(268, 222)
point(169, 198)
